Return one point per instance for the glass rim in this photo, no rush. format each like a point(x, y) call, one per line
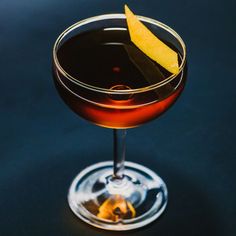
point(110, 17)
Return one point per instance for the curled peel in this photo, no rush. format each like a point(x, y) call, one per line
point(149, 44)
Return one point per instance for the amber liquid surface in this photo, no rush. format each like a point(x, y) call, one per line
point(107, 59)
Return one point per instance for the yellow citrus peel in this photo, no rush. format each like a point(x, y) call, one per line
point(149, 44)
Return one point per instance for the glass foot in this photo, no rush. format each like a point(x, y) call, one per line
point(117, 204)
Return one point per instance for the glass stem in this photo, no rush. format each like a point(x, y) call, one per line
point(119, 153)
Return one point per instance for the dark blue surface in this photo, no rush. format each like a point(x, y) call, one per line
point(44, 145)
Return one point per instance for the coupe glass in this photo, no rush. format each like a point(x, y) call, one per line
point(118, 195)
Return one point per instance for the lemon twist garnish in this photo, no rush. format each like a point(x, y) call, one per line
point(149, 44)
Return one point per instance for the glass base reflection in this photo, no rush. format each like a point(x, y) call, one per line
point(117, 204)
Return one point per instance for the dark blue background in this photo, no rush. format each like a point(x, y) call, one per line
point(43, 145)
